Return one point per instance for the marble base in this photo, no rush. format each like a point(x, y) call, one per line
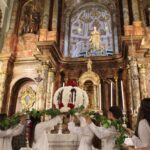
point(63, 141)
point(26, 148)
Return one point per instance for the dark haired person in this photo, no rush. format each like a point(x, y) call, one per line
point(107, 135)
point(141, 139)
point(6, 135)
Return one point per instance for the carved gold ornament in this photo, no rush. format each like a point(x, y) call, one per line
point(28, 97)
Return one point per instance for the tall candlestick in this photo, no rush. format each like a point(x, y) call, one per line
point(51, 97)
point(73, 96)
point(122, 94)
point(111, 93)
point(100, 97)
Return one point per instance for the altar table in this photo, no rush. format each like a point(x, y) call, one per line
point(63, 141)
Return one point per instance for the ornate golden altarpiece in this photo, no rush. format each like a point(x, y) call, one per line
point(33, 57)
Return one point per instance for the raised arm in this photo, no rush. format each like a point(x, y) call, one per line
point(144, 132)
point(73, 129)
point(101, 132)
point(49, 124)
point(5, 133)
point(12, 131)
point(17, 130)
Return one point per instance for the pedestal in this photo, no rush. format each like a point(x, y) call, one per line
point(63, 141)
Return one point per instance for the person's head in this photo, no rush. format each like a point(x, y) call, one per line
point(23, 119)
point(47, 117)
point(144, 112)
point(94, 28)
point(115, 113)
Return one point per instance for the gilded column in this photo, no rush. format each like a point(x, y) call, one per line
point(10, 37)
point(3, 76)
point(125, 12)
point(13, 16)
point(142, 73)
point(135, 9)
point(130, 89)
point(45, 21)
point(95, 98)
point(50, 88)
point(135, 84)
point(43, 87)
point(148, 9)
point(55, 16)
point(142, 12)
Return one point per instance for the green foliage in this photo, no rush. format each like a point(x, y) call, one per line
point(53, 112)
point(117, 124)
point(9, 122)
point(35, 113)
point(76, 110)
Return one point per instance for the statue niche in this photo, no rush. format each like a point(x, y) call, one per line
point(89, 81)
point(31, 17)
point(89, 88)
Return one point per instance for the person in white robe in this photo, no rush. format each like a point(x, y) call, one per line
point(7, 135)
point(107, 135)
point(141, 139)
point(40, 135)
point(147, 148)
point(83, 131)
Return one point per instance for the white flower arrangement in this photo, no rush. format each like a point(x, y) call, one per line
point(81, 97)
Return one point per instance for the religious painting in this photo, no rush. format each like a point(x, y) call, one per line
point(31, 17)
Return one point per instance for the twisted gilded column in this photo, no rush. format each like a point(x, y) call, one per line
point(142, 73)
point(125, 12)
point(50, 88)
point(135, 84)
point(131, 104)
point(135, 10)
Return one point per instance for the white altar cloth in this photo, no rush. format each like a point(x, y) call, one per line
point(63, 141)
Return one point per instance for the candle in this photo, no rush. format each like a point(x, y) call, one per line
point(122, 94)
point(73, 97)
point(100, 97)
point(63, 84)
point(111, 94)
point(51, 96)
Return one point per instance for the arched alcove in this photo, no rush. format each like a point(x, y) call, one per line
point(20, 86)
point(79, 23)
point(89, 81)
